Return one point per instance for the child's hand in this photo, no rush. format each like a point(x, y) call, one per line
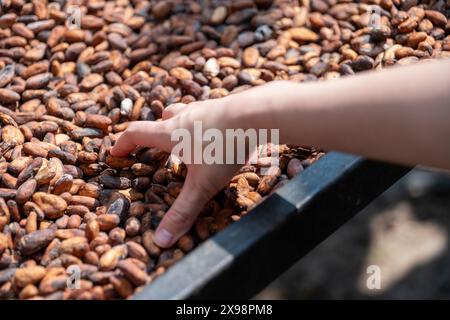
point(202, 182)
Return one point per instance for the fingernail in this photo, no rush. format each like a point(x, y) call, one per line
point(163, 237)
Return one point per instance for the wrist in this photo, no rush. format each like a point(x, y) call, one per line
point(269, 106)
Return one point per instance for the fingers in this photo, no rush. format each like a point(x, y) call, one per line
point(172, 110)
point(177, 108)
point(181, 216)
point(142, 133)
point(123, 146)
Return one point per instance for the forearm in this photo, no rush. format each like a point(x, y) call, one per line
point(400, 115)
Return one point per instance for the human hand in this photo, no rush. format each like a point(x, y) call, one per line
point(202, 182)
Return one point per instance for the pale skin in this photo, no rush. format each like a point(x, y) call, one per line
point(399, 115)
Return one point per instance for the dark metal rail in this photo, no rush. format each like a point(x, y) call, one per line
point(245, 257)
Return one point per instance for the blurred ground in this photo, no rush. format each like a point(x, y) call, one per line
point(405, 233)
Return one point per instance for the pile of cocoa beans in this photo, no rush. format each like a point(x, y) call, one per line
point(67, 90)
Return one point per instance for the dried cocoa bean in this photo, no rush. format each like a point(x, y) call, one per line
point(108, 221)
point(52, 205)
point(132, 272)
point(92, 229)
point(149, 245)
point(115, 182)
point(12, 136)
point(35, 241)
point(119, 163)
point(118, 205)
point(28, 275)
point(8, 96)
point(38, 148)
point(6, 75)
point(122, 286)
point(294, 167)
point(110, 259)
point(76, 246)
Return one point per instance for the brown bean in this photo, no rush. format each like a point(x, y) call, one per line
point(137, 251)
point(132, 272)
point(63, 184)
point(186, 243)
point(119, 163)
point(51, 252)
point(92, 229)
point(294, 167)
point(110, 259)
point(28, 275)
point(8, 96)
point(6, 75)
point(3, 243)
point(88, 202)
point(122, 286)
point(76, 246)
point(52, 205)
point(35, 241)
point(12, 136)
point(108, 221)
point(38, 148)
point(149, 245)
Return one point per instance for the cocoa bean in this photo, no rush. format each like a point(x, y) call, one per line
point(76, 246)
point(162, 9)
point(118, 205)
point(12, 136)
point(110, 259)
point(6, 75)
point(52, 205)
point(45, 173)
point(115, 182)
point(7, 275)
point(149, 245)
point(35, 241)
point(3, 243)
point(108, 221)
point(38, 148)
point(52, 283)
point(186, 243)
point(132, 272)
point(63, 184)
point(119, 163)
point(97, 121)
point(437, 18)
point(294, 168)
point(28, 275)
point(92, 229)
point(88, 202)
point(7, 193)
point(137, 251)
point(65, 157)
point(122, 286)
point(8, 96)
point(64, 234)
point(51, 252)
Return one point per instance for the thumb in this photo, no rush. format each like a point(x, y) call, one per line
point(181, 216)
